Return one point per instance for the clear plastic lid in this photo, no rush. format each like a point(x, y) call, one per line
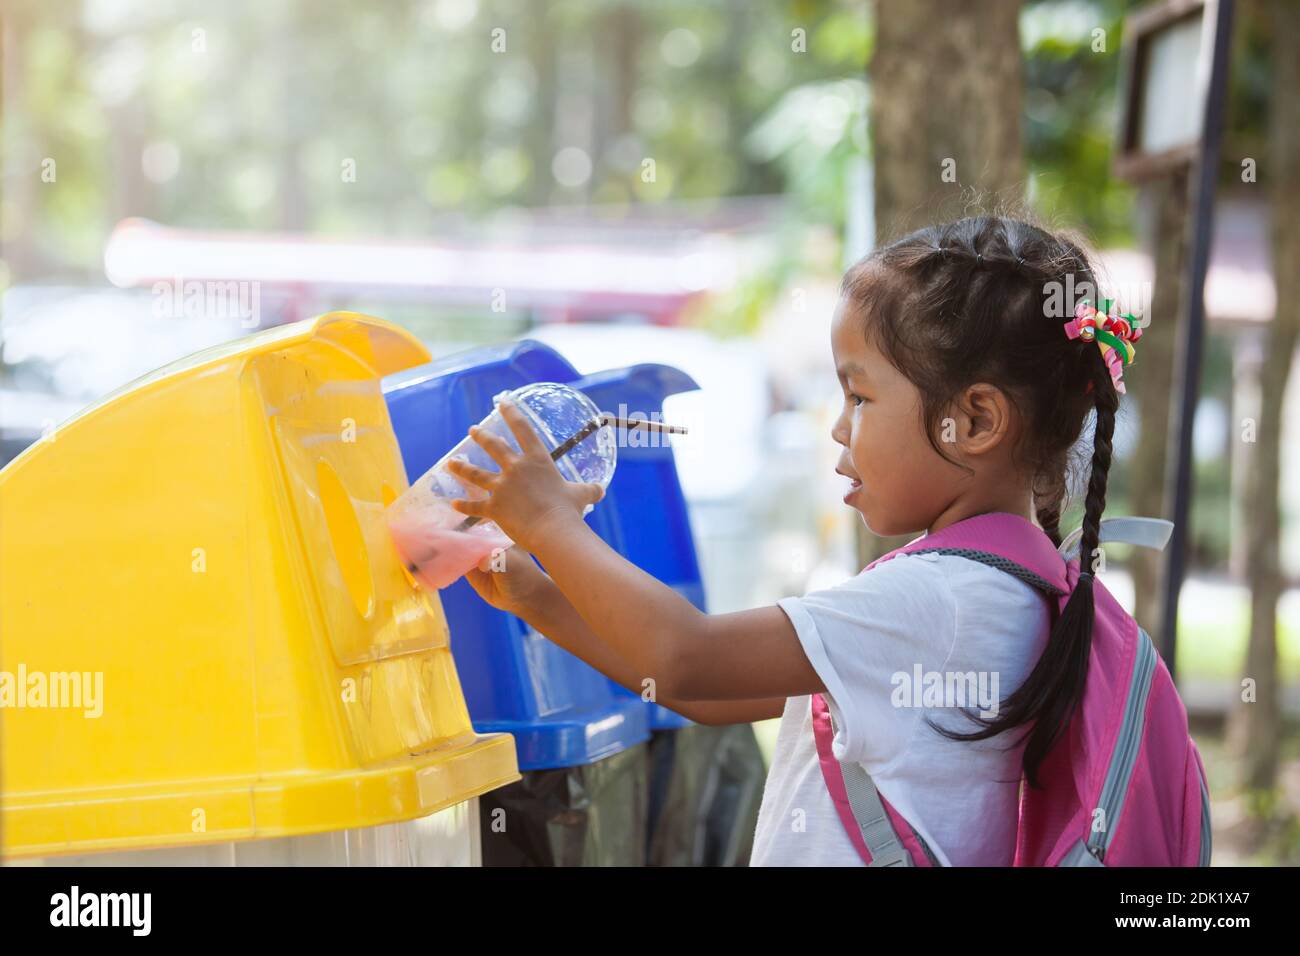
point(559, 412)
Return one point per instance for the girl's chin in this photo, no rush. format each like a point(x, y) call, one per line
point(892, 531)
point(871, 521)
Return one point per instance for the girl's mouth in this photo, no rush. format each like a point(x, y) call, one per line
point(855, 484)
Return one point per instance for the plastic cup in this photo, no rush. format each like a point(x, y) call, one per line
point(436, 543)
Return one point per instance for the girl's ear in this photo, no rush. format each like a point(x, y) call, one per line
point(986, 419)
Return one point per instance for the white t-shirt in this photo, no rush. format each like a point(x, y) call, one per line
point(886, 644)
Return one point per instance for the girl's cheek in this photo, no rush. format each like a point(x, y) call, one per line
point(861, 435)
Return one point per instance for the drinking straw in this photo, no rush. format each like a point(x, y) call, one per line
point(606, 418)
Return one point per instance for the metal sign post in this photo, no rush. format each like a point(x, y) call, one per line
point(1174, 90)
point(1179, 476)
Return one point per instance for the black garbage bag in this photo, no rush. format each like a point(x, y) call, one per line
point(706, 784)
point(593, 815)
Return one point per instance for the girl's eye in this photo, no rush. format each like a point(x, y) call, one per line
point(856, 399)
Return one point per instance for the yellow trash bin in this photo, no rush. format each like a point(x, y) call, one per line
point(208, 647)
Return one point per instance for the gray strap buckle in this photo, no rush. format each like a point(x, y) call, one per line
point(872, 818)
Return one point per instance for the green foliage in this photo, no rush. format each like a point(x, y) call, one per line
point(1071, 115)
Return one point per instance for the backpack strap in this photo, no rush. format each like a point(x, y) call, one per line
point(873, 826)
point(1003, 540)
point(1019, 547)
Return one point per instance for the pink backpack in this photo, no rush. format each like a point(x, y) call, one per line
point(1124, 786)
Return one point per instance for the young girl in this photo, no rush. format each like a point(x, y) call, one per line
point(962, 395)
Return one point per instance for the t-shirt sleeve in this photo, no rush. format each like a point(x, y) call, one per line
point(867, 638)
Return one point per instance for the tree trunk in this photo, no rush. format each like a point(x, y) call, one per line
point(541, 131)
point(945, 98)
point(286, 79)
point(945, 122)
point(1257, 725)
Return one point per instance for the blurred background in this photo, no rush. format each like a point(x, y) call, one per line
point(661, 181)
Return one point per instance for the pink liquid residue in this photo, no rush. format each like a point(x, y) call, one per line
point(434, 553)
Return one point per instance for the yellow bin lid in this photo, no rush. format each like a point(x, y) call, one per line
point(205, 632)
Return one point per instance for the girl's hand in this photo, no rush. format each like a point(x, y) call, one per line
point(528, 495)
point(520, 588)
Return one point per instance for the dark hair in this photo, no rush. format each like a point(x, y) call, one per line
point(985, 299)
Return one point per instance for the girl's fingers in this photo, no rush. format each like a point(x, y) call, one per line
point(498, 448)
point(595, 492)
point(467, 506)
point(585, 493)
point(472, 473)
point(525, 434)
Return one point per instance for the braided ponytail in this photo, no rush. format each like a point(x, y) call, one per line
point(1049, 497)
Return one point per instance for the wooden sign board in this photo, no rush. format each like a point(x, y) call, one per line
point(1166, 63)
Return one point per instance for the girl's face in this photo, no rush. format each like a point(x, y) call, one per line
point(900, 484)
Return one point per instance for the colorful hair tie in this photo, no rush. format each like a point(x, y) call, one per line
point(1113, 333)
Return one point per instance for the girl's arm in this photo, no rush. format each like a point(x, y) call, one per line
point(553, 615)
point(689, 655)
